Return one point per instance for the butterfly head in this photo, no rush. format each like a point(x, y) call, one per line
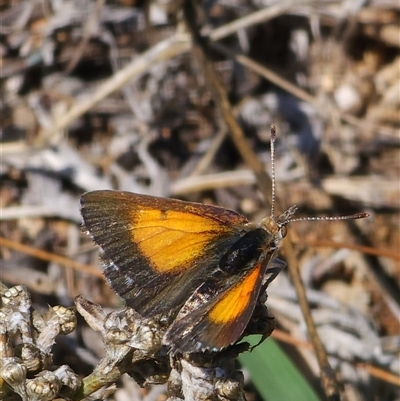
point(276, 225)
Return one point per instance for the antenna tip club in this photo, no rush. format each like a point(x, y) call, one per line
point(273, 132)
point(361, 215)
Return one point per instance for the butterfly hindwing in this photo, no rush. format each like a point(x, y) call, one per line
point(218, 312)
point(221, 315)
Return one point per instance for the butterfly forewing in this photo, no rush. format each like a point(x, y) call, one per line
point(158, 251)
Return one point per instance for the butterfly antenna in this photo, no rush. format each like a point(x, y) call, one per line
point(285, 217)
point(273, 189)
point(332, 218)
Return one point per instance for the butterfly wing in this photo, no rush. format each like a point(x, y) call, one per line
point(216, 315)
point(158, 251)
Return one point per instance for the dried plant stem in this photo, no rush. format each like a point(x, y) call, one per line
point(51, 257)
point(181, 43)
point(208, 157)
point(360, 248)
point(255, 18)
point(96, 380)
point(212, 181)
point(328, 380)
point(220, 96)
point(379, 373)
point(298, 92)
point(162, 51)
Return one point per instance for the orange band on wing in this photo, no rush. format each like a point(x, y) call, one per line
point(171, 239)
point(236, 300)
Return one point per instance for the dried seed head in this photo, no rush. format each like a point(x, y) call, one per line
point(67, 319)
point(44, 387)
point(115, 336)
point(17, 296)
point(58, 320)
point(13, 372)
point(68, 377)
point(35, 335)
point(231, 388)
point(5, 340)
point(16, 310)
point(143, 333)
point(30, 355)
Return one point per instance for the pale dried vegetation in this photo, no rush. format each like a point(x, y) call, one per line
point(110, 94)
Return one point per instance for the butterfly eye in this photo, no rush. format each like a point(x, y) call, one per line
point(283, 231)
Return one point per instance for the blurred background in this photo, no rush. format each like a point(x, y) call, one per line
point(109, 95)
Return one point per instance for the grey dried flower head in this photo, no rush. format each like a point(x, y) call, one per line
point(67, 319)
point(44, 387)
point(26, 341)
point(133, 344)
point(13, 372)
point(58, 320)
point(123, 332)
point(30, 356)
point(18, 297)
point(16, 304)
point(206, 376)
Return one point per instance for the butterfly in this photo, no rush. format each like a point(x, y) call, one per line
point(205, 266)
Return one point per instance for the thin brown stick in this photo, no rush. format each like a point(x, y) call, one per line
point(209, 155)
point(179, 44)
point(328, 379)
point(379, 373)
point(162, 51)
point(360, 248)
point(296, 91)
point(221, 99)
point(256, 17)
point(51, 257)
